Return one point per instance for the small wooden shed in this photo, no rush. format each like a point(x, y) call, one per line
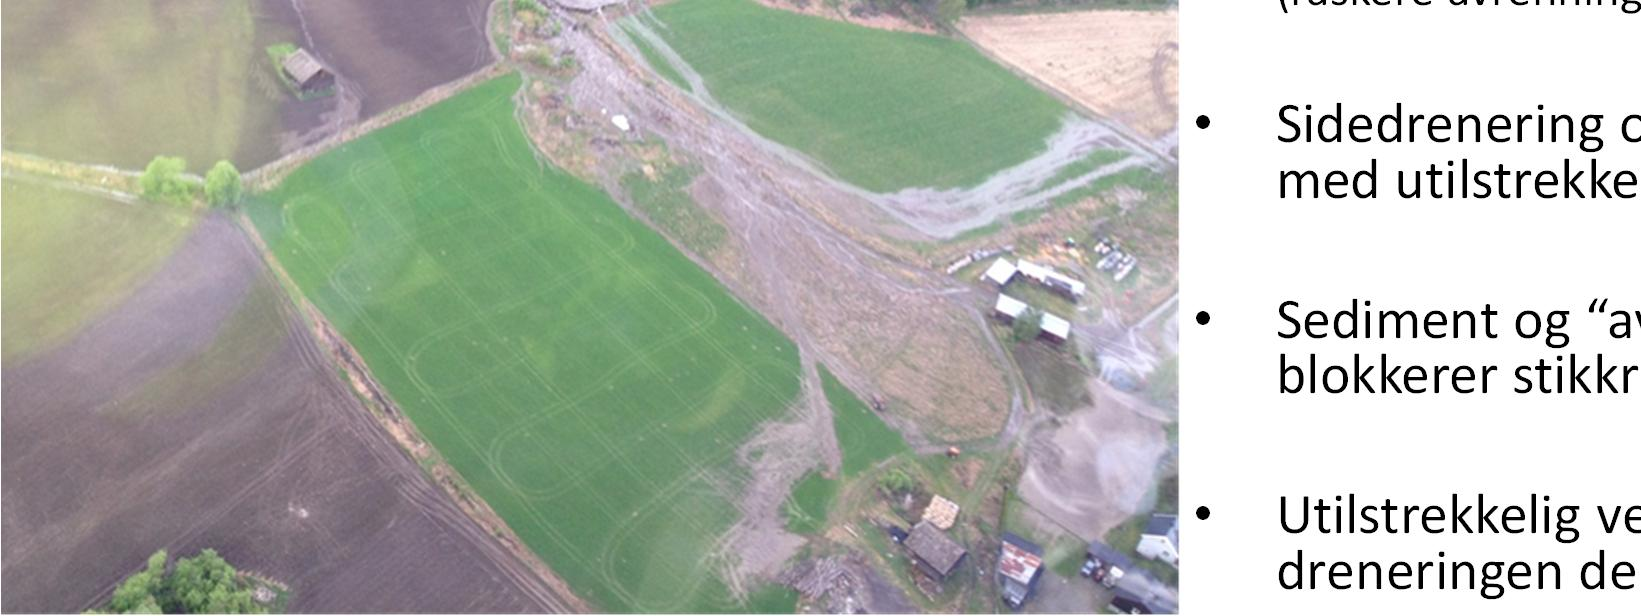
point(306, 72)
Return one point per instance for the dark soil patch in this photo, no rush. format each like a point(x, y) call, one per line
point(395, 50)
point(118, 82)
point(280, 468)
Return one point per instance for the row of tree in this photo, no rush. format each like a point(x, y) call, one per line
point(203, 584)
point(163, 180)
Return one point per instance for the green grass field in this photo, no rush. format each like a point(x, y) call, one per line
point(883, 110)
point(862, 435)
point(811, 498)
point(589, 381)
point(53, 285)
point(120, 81)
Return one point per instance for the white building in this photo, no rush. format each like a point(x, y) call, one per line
point(1034, 271)
point(1000, 272)
point(1008, 309)
point(1160, 541)
point(1057, 328)
point(1047, 277)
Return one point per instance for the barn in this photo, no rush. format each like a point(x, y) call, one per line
point(306, 72)
point(935, 553)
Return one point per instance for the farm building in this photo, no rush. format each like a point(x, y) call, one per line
point(1019, 566)
point(305, 71)
point(1105, 564)
point(1066, 285)
point(1046, 276)
point(1008, 309)
point(1160, 541)
point(1033, 271)
point(936, 554)
point(1056, 328)
point(1000, 272)
point(941, 512)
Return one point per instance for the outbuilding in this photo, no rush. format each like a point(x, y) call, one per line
point(1019, 566)
point(1000, 272)
point(1008, 309)
point(1056, 328)
point(305, 71)
point(935, 554)
point(1055, 281)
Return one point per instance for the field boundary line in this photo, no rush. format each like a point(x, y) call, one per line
point(383, 410)
point(268, 175)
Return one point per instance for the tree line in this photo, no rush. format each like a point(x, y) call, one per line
point(202, 584)
point(163, 181)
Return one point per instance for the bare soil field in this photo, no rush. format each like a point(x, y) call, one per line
point(1093, 470)
point(82, 82)
point(392, 51)
point(200, 413)
point(1121, 64)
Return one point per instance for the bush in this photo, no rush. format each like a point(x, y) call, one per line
point(897, 481)
point(1028, 325)
point(163, 181)
point(222, 184)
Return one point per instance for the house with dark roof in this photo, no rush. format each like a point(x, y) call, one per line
point(1019, 566)
point(935, 554)
point(1160, 541)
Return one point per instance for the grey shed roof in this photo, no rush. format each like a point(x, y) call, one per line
point(302, 66)
point(934, 548)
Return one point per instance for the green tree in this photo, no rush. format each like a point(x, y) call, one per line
point(1028, 325)
point(204, 584)
point(897, 481)
point(163, 181)
point(222, 184)
point(208, 584)
point(139, 593)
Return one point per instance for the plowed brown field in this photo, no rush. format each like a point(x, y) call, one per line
point(1121, 64)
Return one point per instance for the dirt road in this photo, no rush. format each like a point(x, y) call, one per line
point(928, 213)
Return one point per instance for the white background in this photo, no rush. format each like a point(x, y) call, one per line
point(1243, 252)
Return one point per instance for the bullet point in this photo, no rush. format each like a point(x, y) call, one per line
point(1202, 513)
point(1202, 121)
point(1202, 317)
